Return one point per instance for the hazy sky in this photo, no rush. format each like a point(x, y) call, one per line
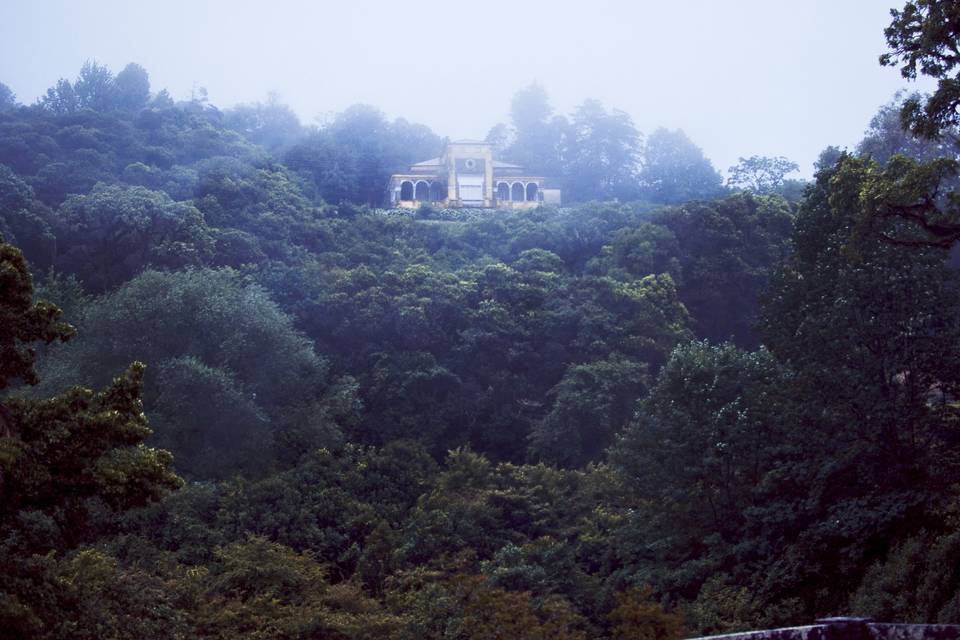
point(741, 77)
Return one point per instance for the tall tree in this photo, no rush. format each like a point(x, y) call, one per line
point(58, 457)
point(270, 124)
point(698, 449)
point(132, 87)
point(886, 136)
point(95, 87)
point(22, 322)
point(601, 152)
point(876, 323)
point(8, 100)
point(110, 234)
point(760, 174)
point(353, 157)
point(538, 136)
point(923, 38)
point(60, 99)
point(675, 170)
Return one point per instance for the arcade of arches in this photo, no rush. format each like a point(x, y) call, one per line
point(468, 176)
point(423, 191)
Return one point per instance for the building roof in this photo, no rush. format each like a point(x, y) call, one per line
point(429, 163)
point(436, 162)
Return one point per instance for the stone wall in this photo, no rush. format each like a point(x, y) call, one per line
point(850, 629)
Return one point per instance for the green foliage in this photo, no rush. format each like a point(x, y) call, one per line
point(760, 174)
point(725, 251)
point(353, 157)
point(886, 137)
point(699, 450)
point(592, 403)
point(232, 372)
point(635, 616)
point(8, 99)
point(67, 464)
point(23, 321)
point(675, 170)
point(922, 39)
point(876, 323)
point(261, 590)
point(24, 221)
point(93, 596)
point(107, 236)
point(353, 391)
point(272, 125)
point(468, 607)
point(76, 446)
point(915, 582)
point(602, 151)
point(132, 87)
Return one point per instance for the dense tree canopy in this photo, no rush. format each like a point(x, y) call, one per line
point(352, 158)
point(923, 39)
point(675, 170)
point(65, 462)
point(8, 99)
point(23, 321)
point(760, 174)
point(602, 154)
point(672, 409)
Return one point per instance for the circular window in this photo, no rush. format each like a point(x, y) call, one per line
point(470, 163)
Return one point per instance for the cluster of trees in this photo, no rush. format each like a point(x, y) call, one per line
point(598, 154)
point(615, 420)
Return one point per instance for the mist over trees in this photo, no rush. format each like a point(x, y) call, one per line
point(597, 154)
point(676, 406)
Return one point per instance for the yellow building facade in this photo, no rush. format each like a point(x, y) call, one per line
point(466, 175)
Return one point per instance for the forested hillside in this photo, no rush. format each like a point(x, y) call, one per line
point(239, 400)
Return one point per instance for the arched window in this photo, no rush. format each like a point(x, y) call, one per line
point(406, 190)
point(438, 191)
point(532, 192)
point(503, 191)
point(423, 192)
point(516, 191)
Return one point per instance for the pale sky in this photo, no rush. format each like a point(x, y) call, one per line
point(741, 77)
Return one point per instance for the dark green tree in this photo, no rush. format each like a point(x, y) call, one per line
point(886, 137)
point(923, 39)
point(132, 87)
point(109, 235)
point(95, 88)
point(675, 170)
point(66, 463)
point(876, 323)
point(22, 322)
point(724, 253)
point(601, 152)
point(538, 137)
point(60, 99)
point(25, 221)
point(353, 157)
point(235, 384)
point(697, 454)
point(591, 404)
point(760, 174)
point(8, 99)
point(270, 124)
